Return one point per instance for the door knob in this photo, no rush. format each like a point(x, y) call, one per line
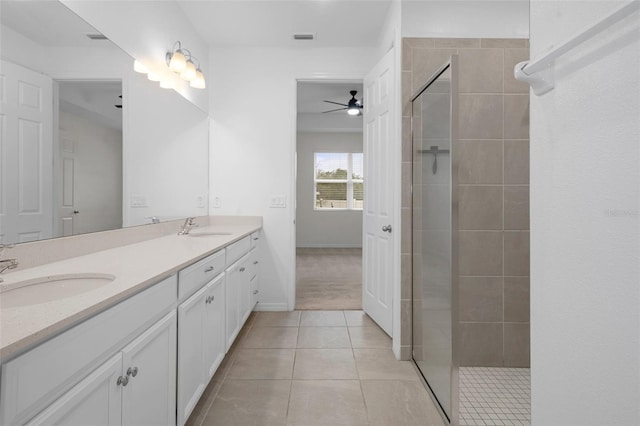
point(386, 228)
point(76, 211)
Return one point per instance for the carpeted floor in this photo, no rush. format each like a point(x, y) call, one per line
point(329, 278)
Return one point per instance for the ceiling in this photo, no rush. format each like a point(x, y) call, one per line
point(312, 94)
point(336, 23)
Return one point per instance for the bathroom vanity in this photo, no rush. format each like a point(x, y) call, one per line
point(141, 345)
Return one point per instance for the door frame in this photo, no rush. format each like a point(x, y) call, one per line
point(397, 200)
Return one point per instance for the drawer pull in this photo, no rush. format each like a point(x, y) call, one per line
point(242, 269)
point(209, 269)
point(255, 262)
point(207, 300)
point(123, 380)
point(255, 291)
point(132, 371)
point(256, 239)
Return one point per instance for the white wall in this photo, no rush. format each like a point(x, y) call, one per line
point(253, 139)
point(585, 222)
point(97, 172)
point(465, 18)
point(317, 228)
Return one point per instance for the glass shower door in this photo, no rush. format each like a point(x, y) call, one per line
point(431, 125)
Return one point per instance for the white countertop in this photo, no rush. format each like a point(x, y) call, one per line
point(135, 267)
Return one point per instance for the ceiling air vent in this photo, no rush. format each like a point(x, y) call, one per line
point(97, 37)
point(304, 36)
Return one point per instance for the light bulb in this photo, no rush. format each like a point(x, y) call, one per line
point(140, 67)
point(178, 62)
point(353, 111)
point(198, 81)
point(166, 83)
point(189, 72)
point(153, 76)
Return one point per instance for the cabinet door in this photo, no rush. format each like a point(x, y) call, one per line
point(214, 337)
point(96, 400)
point(191, 364)
point(245, 290)
point(150, 364)
point(234, 277)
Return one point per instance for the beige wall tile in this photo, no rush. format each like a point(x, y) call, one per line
point(405, 321)
point(516, 116)
point(516, 299)
point(480, 253)
point(480, 207)
point(481, 344)
point(480, 162)
point(480, 70)
point(504, 42)
point(480, 299)
point(426, 62)
point(457, 42)
point(516, 162)
point(407, 92)
point(516, 345)
point(406, 186)
point(516, 253)
point(406, 230)
point(405, 353)
point(406, 140)
point(481, 117)
point(406, 56)
point(511, 58)
point(419, 42)
point(405, 281)
point(516, 207)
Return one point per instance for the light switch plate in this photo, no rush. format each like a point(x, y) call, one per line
point(278, 201)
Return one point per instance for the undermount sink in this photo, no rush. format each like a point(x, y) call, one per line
point(50, 288)
point(207, 234)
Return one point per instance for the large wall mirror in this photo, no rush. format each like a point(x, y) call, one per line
point(86, 143)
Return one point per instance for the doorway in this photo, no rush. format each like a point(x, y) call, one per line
point(329, 193)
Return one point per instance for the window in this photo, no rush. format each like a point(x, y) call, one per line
point(338, 181)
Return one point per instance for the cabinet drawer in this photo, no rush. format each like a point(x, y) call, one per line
point(255, 238)
point(236, 250)
point(193, 277)
point(36, 378)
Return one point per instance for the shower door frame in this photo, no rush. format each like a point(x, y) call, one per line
point(452, 66)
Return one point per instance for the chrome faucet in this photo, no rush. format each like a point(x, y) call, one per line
point(187, 225)
point(6, 263)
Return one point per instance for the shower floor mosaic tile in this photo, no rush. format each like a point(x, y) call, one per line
point(495, 396)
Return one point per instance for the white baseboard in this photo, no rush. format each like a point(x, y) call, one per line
point(271, 307)
point(358, 245)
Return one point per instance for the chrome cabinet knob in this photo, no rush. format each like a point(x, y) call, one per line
point(123, 380)
point(255, 262)
point(209, 269)
point(242, 269)
point(132, 371)
point(255, 291)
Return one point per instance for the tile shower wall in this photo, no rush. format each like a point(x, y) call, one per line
point(493, 175)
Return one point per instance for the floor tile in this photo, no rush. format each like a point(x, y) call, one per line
point(326, 402)
point(271, 338)
point(381, 364)
point(250, 402)
point(398, 403)
point(277, 319)
point(323, 337)
point(263, 364)
point(322, 319)
point(322, 364)
point(369, 337)
point(358, 319)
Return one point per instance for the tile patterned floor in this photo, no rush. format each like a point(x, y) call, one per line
point(495, 396)
point(314, 368)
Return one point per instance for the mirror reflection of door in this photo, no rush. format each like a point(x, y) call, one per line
point(89, 166)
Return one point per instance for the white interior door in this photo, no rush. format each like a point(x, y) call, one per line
point(67, 209)
point(378, 244)
point(26, 202)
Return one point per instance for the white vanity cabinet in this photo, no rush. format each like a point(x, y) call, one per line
point(201, 344)
point(134, 387)
point(73, 376)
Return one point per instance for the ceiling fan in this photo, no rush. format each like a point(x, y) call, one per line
point(354, 107)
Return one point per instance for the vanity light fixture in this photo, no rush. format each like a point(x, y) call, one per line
point(140, 67)
point(181, 61)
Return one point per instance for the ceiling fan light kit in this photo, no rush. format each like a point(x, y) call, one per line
point(354, 107)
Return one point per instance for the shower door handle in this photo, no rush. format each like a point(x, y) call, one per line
point(386, 228)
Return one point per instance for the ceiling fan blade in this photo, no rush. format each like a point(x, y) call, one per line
point(337, 103)
point(333, 110)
